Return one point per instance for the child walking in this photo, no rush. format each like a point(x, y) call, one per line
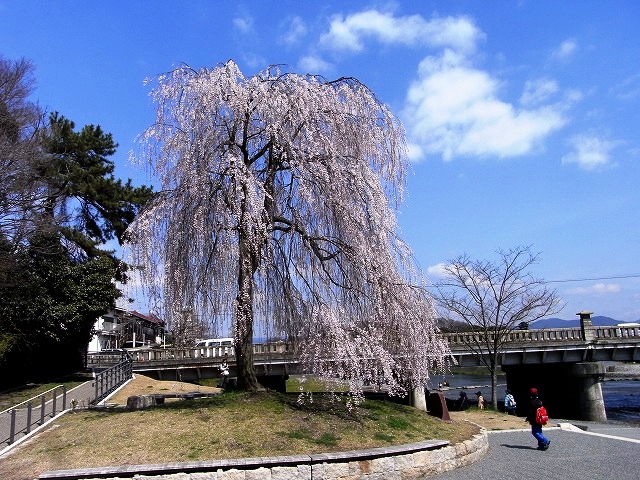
point(536, 421)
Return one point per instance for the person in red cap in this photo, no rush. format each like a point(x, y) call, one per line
point(536, 428)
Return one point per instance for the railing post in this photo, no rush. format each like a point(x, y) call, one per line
point(64, 397)
point(43, 403)
point(29, 416)
point(12, 428)
point(53, 402)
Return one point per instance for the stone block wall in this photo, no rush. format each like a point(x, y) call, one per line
point(412, 461)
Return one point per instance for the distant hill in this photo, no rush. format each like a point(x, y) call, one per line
point(560, 323)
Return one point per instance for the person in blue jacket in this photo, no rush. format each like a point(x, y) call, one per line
point(509, 403)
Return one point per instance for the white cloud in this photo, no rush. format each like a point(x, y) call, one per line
point(243, 24)
point(566, 49)
point(253, 60)
point(589, 151)
point(437, 271)
point(314, 65)
point(415, 152)
point(628, 89)
point(296, 29)
point(596, 289)
point(538, 91)
point(348, 33)
point(453, 110)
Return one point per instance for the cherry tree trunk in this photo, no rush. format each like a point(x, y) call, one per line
point(244, 320)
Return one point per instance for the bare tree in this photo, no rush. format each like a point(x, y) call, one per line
point(277, 209)
point(21, 189)
point(495, 298)
point(20, 152)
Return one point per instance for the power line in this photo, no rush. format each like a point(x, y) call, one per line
point(613, 277)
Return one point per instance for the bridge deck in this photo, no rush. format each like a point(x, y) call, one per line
point(522, 346)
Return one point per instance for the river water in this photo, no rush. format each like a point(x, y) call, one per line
point(621, 397)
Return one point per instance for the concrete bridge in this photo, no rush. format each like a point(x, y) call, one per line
point(566, 365)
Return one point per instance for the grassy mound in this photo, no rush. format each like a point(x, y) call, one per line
point(230, 425)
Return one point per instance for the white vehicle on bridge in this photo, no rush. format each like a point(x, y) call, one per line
point(215, 342)
point(215, 347)
point(628, 329)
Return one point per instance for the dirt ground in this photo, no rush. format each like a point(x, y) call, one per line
point(490, 419)
point(143, 385)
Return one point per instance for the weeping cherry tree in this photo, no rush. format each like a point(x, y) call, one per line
point(277, 209)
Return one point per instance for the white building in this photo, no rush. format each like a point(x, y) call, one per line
point(120, 328)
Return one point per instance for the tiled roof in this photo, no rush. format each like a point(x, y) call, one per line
point(150, 318)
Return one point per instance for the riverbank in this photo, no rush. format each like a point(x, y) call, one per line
point(621, 397)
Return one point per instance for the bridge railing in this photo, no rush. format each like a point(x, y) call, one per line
point(544, 335)
point(186, 354)
point(618, 332)
point(516, 336)
point(457, 339)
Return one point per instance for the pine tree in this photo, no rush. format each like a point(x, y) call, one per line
point(83, 198)
point(55, 224)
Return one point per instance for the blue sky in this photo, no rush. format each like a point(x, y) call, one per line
point(522, 116)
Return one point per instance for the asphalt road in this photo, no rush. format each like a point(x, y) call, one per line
point(603, 451)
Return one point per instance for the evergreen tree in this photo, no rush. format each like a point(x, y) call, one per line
point(58, 278)
point(89, 205)
point(47, 312)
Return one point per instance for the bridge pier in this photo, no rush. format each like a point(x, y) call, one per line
point(570, 391)
point(591, 401)
point(418, 399)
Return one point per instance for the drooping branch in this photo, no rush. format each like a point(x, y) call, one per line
point(281, 211)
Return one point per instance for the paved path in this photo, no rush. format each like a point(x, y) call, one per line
point(574, 454)
point(83, 393)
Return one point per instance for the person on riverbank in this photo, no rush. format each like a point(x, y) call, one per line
point(509, 403)
point(480, 400)
point(463, 402)
point(536, 427)
point(224, 372)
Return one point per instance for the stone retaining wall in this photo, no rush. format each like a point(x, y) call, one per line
point(400, 462)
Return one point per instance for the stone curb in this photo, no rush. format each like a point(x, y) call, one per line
point(395, 462)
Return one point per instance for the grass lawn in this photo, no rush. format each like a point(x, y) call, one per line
point(229, 425)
